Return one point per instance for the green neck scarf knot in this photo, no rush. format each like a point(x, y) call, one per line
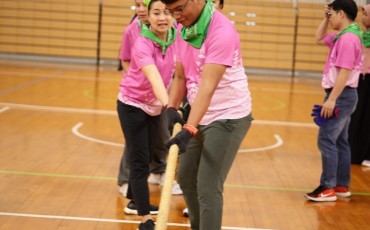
point(353, 28)
point(366, 39)
point(171, 36)
point(196, 33)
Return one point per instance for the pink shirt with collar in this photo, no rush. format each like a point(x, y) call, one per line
point(135, 89)
point(232, 98)
point(344, 53)
point(130, 34)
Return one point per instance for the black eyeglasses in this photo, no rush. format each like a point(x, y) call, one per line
point(179, 11)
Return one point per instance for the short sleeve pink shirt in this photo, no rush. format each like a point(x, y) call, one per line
point(231, 99)
point(135, 89)
point(129, 37)
point(344, 53)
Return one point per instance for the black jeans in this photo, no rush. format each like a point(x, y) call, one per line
point(140, 131)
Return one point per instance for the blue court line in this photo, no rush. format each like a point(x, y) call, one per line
point(24, 173)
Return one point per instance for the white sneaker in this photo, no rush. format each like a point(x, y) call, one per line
point(123, 189)
point(176, 190)
point(185, 212)
point(155, 178)
point(365, 163)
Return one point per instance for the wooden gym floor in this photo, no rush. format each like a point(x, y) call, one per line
point(61, 143)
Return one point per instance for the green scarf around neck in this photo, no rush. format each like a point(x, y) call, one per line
point(196, 33)
point(366, 39)
point(171, 36)
point(353, 28)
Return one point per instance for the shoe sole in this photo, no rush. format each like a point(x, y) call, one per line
point(343, 194)
point(321, 199)
point(129, 211)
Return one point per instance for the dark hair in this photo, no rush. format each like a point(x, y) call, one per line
point(150, 4)
point(348, 6)
point(222, 3)
point(168, 1)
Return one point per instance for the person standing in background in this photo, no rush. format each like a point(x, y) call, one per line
point(359, 128)
point(340, 80)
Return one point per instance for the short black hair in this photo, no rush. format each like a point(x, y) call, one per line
point(222, 3)
point(348, 6)
point(168, 1)
point(151, 3)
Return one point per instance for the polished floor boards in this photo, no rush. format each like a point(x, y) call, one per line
point(61, 143)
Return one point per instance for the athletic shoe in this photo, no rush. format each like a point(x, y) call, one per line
point(148, 225)
point(130, 209)
point(321, 194)
point(366, 163)
point(155, 178)
point(342, 191)
point(123, 189)
point(176, 190)
point(185, 212)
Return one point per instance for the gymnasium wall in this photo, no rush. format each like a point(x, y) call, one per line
point(274, 35)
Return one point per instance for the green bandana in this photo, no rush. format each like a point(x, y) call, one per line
point(196, 33)
point(353, 28)
point(171, 36)
point(366, 39)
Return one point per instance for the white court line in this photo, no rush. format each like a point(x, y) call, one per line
point(75, 131)
point(109, 112)
point(4, 109)
point(279, 142)
point(105, 220)
point(59, 109)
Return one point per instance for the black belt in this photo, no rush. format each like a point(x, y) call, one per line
point(330, 89)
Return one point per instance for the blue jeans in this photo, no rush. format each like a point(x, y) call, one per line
point(333, 142)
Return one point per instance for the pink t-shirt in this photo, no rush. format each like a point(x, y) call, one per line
point(135, 89)
point(231, 99)
point(344, 53)
point(129, 37)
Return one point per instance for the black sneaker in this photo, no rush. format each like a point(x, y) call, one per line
point(148, 225)
point(321, 194)
point(131, 209)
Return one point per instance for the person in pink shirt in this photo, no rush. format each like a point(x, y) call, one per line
point(210, 72)
point(340, 79)
point(141, 99)
point(359, 128)
point(159, 160)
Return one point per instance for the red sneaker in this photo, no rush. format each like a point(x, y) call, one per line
point(321, 194)
point(342, 191)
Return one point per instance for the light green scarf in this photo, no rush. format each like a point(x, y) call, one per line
point(196, 33)
point(366, 39)
point(353, 28)
point(171, 36)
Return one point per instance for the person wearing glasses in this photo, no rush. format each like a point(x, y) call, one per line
point(209, 71)
point(141, 99)
point(158, 163)
point(219, 5)
point(340, 80)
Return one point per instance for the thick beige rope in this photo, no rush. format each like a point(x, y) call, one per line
point(164, 205)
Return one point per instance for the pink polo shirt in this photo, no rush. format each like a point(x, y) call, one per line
point(344, 53)
point(129, 37)
point(231, 99)
point(135, 89)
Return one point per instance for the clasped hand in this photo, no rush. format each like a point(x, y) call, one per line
point(320, 120)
